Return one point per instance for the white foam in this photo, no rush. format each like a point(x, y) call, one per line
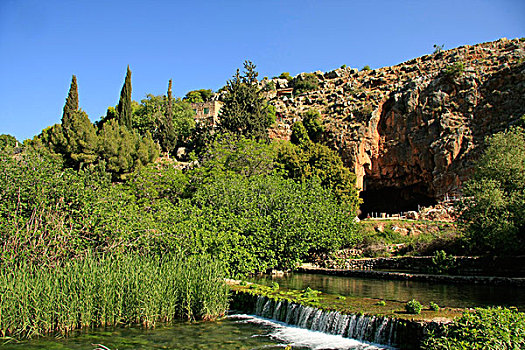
point(295, 336)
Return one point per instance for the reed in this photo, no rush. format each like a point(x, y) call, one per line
point(108, 291)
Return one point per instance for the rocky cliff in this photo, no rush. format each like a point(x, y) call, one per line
point(412, 132)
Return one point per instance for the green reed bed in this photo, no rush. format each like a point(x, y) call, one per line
point(108, 291)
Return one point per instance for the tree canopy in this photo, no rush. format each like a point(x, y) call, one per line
point(493, 211)
point(245, 112)
point(198, 96)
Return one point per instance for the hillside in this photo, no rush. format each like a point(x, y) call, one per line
point(411, 132)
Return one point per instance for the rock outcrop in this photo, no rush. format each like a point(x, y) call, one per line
point(412, 132)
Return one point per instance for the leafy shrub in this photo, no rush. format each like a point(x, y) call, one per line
point(286, 75)
point(365, 68)
point(443, 263)
point(434, 306)
point(381, 303)
point(305, 82)
point(313, 124)
point(413, 307)
point(491, 328)
point(455, 69)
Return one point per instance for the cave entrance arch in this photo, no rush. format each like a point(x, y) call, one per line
point(393, 200)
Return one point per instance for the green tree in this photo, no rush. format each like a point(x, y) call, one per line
point(168, 137)
point(151, 116)
point(305, 82)
point(493, 209)
point(311, 160)
point(124, 150)
point(299, 134)
point(313, 124)
point(81, 140)
point(71, 101)
point(75, 139)
point(124, 108)
point(245, 111)
point(7, 141)
point(198, 96)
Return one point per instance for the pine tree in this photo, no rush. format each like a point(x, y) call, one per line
point(245, 112)
point(124, 104)
point(71, 102)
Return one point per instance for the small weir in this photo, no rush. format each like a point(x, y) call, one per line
point(373, 329)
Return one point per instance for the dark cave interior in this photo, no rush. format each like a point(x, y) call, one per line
point(394, 200)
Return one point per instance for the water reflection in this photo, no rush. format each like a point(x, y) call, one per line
point(453, 295)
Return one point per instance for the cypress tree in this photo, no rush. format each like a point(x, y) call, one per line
point(71, 102)
point(168, 138)
point(124, 104)
point(169, 111)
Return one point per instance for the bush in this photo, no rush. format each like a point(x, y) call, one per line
point(491, 328)
point(305, 82)
point(455, 69)
point(286, 75)
point(381, 303)
point(434, 306)
point(365, 68)
point(413, 307)
point(443, 263)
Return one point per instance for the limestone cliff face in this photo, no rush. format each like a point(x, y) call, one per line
point(415, 128)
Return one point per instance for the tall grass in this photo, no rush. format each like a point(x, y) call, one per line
point(107, 291)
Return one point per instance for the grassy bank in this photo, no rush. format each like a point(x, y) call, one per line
point(108, 290)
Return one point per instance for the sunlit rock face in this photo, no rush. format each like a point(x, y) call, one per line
point(412, 132)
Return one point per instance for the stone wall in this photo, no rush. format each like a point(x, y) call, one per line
point(207, 112)
point(466, 265)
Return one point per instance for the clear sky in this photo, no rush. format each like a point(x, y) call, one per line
point(200, 44)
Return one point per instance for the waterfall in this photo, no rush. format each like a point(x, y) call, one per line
point(380, 330)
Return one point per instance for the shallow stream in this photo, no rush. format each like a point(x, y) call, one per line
point(233, 332)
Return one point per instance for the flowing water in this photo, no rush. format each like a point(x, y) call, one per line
point(378, 330)
point(233, 332)
point(452, 295)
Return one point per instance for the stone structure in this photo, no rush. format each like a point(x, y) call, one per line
point(412, 132)
point(207, 112)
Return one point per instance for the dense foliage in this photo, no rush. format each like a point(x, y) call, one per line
point(198, 96)
point(233, 207)
point(492, 328)
point(305, 82)
point(493, 211)
point(245, 112)
point(89, 215)
point(151, 116)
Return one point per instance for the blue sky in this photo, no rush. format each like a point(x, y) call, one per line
point(200, 44)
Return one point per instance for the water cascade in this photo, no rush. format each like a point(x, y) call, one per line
point(375, 329)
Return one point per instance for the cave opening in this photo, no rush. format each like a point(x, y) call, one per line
point(394, 200)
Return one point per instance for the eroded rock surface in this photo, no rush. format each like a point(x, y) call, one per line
point(411, 132)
